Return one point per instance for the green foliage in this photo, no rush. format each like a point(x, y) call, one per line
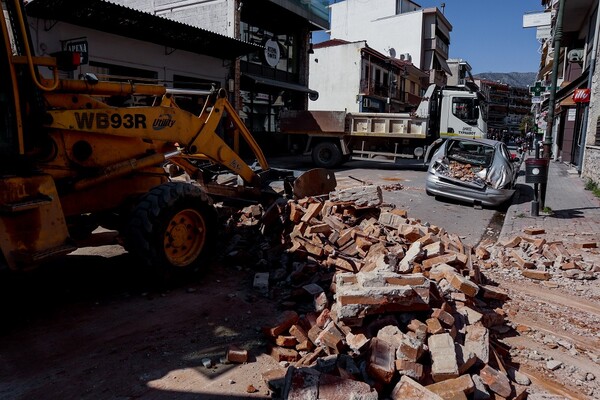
point(526, 124)
point(593, 187)
point(547, 210)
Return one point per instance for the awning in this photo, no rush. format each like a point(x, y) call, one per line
point(565, 91)
point(104, 16)
point(442, 62)
point(259, 80)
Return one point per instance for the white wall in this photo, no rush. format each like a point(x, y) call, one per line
point(214, 15)
point(336, 76)
point(113, 49)
point(368, 19)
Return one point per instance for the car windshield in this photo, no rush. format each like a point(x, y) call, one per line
point(470, 152)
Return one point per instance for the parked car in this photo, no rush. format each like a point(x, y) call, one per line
point(477, 171)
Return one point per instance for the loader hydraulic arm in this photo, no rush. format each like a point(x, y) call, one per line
point(196, 135)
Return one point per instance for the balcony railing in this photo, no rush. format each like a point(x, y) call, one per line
point(370, 88)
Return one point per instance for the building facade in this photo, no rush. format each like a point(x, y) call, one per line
point(113, 46)
point(266, 81)
point(461, 72)
point(570, 134)
point(352, 76)
point(412, 33)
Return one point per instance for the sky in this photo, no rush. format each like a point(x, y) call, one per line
point(488, 34)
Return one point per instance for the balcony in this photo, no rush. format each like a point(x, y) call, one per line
point(315, 11)
point(370, 88)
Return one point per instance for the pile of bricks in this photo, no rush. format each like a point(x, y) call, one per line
point(463, 172)
point(391, 307)
point(538, 259)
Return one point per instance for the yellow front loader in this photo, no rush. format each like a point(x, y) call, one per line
point(69, 162)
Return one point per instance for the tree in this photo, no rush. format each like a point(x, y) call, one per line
point(526, 124)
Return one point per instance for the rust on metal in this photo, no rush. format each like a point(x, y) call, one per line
point(313, 122)
point(314, 182)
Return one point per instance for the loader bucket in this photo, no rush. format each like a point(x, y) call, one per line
point(314, 182)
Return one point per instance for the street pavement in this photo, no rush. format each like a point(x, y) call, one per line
point(573, 213)
point(574, 216)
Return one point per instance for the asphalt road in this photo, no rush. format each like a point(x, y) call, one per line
point(472, 224)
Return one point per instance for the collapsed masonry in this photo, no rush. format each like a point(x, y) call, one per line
point(398, 308)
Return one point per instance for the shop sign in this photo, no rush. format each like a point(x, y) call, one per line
point(79, 46)
point(582, 95)
point(272, 53)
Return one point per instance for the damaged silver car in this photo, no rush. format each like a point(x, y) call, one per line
point(477, 171)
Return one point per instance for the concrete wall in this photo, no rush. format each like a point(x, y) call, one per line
point(112, 49)
point(347, 16)
point(336, 76)
point(366, 20)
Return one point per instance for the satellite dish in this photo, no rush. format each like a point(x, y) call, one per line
point(392, 52)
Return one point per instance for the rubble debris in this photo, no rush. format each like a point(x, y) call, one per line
point(388, 305)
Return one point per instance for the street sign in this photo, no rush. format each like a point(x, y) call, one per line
point(536, 19)
point(537, 89)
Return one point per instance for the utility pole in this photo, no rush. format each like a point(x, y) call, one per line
point(558, 32)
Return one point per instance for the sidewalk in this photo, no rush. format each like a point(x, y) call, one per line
point(575, 215)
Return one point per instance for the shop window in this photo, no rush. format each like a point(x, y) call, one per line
point(287, 46)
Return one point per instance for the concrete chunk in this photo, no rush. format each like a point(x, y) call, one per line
point(443, 356)
point(477, 341)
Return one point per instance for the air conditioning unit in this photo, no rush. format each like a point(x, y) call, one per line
point(575, 55)
point(405, 57)
point(367, 103)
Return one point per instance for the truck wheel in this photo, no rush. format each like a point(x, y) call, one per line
point(327, 155)
point(172, 228)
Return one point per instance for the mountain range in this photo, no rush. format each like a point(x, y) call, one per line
point(515, 79)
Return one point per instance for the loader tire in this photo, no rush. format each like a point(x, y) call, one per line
point(172, 228)
point(327, 155)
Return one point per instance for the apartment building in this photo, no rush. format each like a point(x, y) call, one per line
point(354, 77)
point(415, 34)
point(574, 130)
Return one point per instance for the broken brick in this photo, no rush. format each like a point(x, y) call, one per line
point(237, 355)
point(536, 274)
point(381, 364)
point(283, 354)
point(496, 381)
point(285, 321)
point(453, 388)
point(534, 231)
point(409, 389)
